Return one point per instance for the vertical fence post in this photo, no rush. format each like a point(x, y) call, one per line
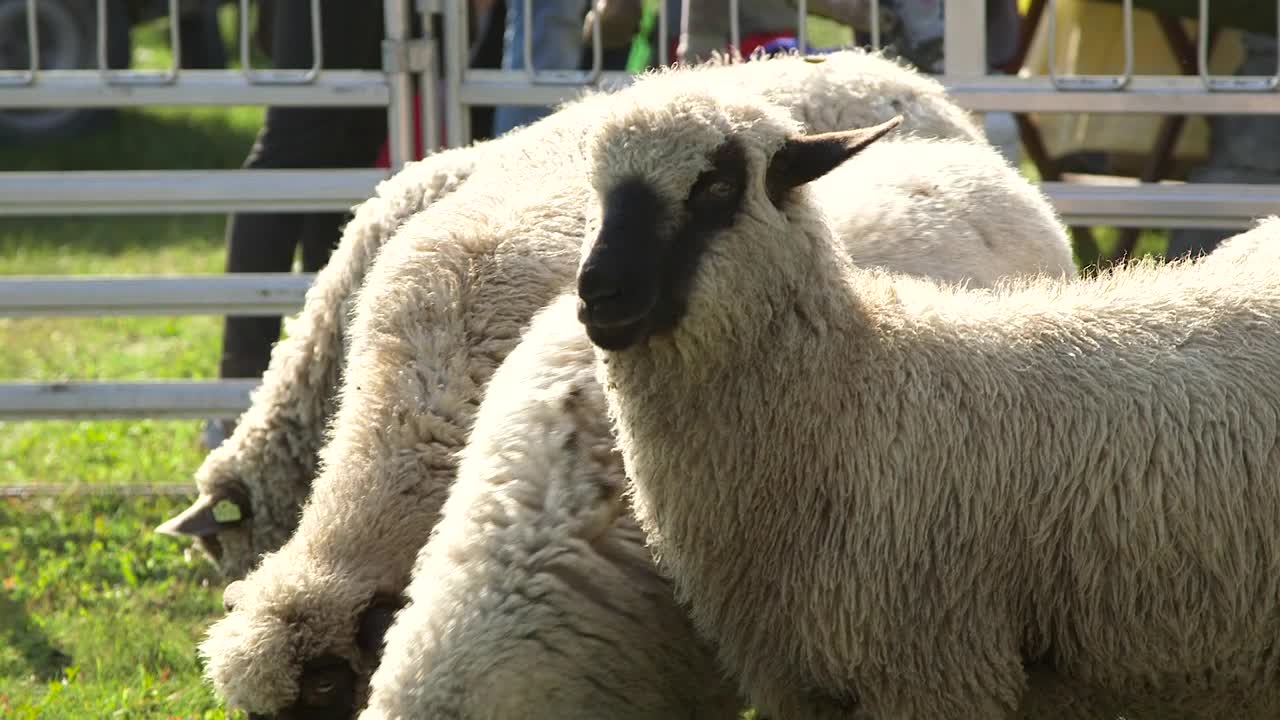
point(399, 85)
point(457, 120)
point(965, 38)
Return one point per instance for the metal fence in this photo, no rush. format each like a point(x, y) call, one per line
point(966, 77)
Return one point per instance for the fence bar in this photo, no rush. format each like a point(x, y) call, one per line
point(965, 39)
point(875, 24)
point(1091, 82)
point(10, 78)
point(561, 76)
point(280, 76)
point(137, 77)
point(121, 400)
point(429, 85)
point(400, 85)
point(664, 40)
point(230, 294)
point(132, 192)
point(802, 26)
point(1160, 205)
point(457, 119)
point(1160, 94)
point(735, 26)
point(84, 88)
point(1237, 83)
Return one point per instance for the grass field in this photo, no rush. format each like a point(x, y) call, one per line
point(99, 616)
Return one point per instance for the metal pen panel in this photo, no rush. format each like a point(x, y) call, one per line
point(17, 78)
point(1245, 83)
point(140, 77)
point(395, 16)
point(1091, 82)
point(561, 76)
point(277, 76)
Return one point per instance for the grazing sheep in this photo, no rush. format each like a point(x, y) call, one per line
point(881, 496)
point(259, 478)
point(443, 304)
point(253, 485)
point(536, 510)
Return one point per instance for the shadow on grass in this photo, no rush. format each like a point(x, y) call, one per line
point(19, 631)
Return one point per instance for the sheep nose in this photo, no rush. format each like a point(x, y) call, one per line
point(595, 285)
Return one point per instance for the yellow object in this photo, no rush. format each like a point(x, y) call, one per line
point(1090, 40)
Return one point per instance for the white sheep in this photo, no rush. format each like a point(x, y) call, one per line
point(445, 301)
point(882, 496)
point(536, 596)
point(252, 486)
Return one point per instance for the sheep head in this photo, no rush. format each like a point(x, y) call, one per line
point(211, 515)
point(308, 658)
point(675, 177)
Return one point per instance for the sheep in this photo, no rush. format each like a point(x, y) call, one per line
point(252, 485)
point(259, 478)
point(881, 496)
point(536, 511)
point(443, 303)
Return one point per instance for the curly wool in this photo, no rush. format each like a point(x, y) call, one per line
point(952, 484)
point(535, 596)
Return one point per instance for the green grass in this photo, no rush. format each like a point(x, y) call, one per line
point(98, 616)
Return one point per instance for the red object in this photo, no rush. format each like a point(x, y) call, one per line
point(384, 154)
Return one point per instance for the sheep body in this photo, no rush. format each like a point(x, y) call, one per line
point(268, 462)
point(536, 513)
point(443, 303)
point(1078, 476)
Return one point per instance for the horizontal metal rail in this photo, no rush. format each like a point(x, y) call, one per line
point(231, 294)
point(84, 400)
point(1163, 205)
point(1159, 94)
point(132, 192)
point(85, 88)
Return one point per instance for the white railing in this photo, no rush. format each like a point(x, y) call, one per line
point(966, 76)
point(191, 191)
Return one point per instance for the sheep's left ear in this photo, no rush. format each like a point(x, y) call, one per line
point(809, 157)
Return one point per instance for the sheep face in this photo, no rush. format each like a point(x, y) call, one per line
point(307, 664)
point(233, 522)
point(677, 182)
point(220, 523)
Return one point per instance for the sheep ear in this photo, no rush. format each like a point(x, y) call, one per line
point(208, 515)
point(809, 157)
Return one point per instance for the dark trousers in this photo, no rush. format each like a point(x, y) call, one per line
point(302, 137)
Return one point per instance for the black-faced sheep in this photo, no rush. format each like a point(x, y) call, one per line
point(882, 497)
point(444, 302)
point(536, 597)
point(252, 486)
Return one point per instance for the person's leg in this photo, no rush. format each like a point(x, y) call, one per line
point(557, 45)
point(299, 137)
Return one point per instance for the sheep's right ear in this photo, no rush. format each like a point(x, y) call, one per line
point(809, 157)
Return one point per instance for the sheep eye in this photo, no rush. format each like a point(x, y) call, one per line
point(720, 189)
